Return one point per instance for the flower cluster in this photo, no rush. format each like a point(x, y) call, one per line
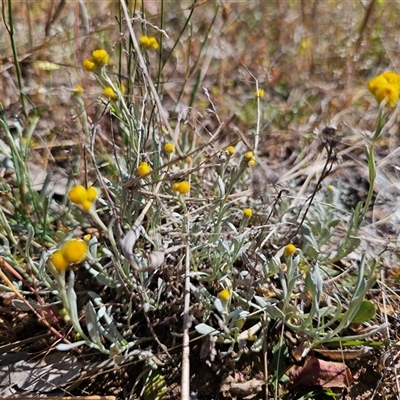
point(249, 158)
point(149, 42)
point(72, 252)
point(386, 86)
point(181, 187)
point(98, 60)
point(259, 93)
point(83, 197)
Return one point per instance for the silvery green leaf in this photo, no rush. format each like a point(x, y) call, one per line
point(274, 312)
point(21, 305)
point(205, 329)
point(262, 301)
point(239, 313)
point(257, 345)
point(314, 283)
point(91, 323)
point(73, 310)
point(219, 306)
point(110, 330)
point(221, 186)
point(311, 251)
point(69, 346)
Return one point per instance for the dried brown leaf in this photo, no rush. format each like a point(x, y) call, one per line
point(317, 372)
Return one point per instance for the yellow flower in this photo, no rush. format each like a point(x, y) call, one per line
point(230, 150)
point(143, 168)
point(249, 157)
point(89, 65)
point(247, 212)
point(224, 295)
point(58, 260)
point(169, 147)
point(74, 251)
point(182, 187)
point(100, 57)
point(392, 77)
point(77, 194)
point(109, 93)
point(78, 90)
point(91, 193)
point(386, 86)
point(259, 93)
point(86, 205)
point(175, 186)
point(83, 197)
point(149, 43)
point(289, 250)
